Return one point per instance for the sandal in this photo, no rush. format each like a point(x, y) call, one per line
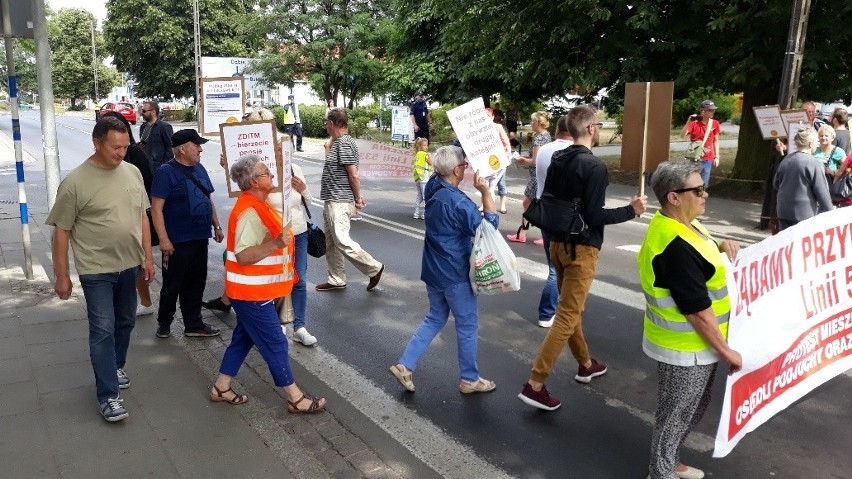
point(293, 407)
point(219, 396)
point(404, 377)
point(481, 385)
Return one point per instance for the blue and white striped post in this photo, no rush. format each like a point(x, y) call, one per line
point(19, 158)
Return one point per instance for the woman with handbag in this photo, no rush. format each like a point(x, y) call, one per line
point(451, 221)
point(299, 226)
point(540, 122)
point(703, 132)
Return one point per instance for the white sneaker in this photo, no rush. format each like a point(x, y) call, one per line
point(546, 324)
point(303, 336)
point(145, 310)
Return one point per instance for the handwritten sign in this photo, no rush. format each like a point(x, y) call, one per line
point(479, 137)
point(253, 137)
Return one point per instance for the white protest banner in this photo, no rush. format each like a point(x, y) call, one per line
point(257, 137)
point(222, 101)
point(378, 161)
point(479, 137)
point(286, 175)
point(791, 319)
point(769, 121)
point(401, 127)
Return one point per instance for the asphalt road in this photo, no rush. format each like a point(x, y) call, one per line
point(603, 429)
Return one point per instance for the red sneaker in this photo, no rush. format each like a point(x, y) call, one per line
point(539, 399)
point(585, 374)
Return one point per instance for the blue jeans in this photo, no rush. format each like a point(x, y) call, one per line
point(501, 185)
point(258, 325)
point(111, 307)
point(459, 299)
point(550, 294)
point(706, 166)
point(299, 296)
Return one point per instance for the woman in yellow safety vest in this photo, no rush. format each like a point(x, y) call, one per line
point(258, 270)
point(686, 316)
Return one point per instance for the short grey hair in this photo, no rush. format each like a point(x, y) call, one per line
point(670, 176)
point(243, 170)
point(806, 138)
point(446, 158)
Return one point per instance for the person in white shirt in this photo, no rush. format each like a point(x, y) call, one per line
point(550, 294)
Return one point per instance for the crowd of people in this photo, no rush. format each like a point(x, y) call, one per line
point(129, 196)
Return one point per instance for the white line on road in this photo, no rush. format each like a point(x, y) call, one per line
point(421, 437)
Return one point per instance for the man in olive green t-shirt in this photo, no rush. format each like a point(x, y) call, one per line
point(100, 209)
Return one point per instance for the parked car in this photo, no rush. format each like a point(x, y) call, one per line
point(24, 105)
point(127, 110)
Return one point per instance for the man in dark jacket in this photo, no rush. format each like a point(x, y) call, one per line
point(576, 173)
point(155, 135)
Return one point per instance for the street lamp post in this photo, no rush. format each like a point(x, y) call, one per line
point(94, 60)
point(196, 28)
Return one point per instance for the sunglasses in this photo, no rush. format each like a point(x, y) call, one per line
point(699, 190)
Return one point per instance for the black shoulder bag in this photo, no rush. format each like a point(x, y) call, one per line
point(316, 236)
point(559, 218)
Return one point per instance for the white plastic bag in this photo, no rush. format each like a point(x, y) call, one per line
point(493, 266)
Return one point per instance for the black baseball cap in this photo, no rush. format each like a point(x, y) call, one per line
point(185, 136)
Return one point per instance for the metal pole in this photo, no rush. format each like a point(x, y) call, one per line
point(19, 153)
point(645, 140)
point(45, 89)
point(94, 60)
point(196, 29)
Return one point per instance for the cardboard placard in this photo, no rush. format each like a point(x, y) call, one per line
point(790, 117)
point(769, 121)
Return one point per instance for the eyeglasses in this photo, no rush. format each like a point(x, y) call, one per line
point(268, 173)
point(699, 190)
point(599, 125)
point(463, 165)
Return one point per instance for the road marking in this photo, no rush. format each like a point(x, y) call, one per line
point(426, 441)
point(633, 248)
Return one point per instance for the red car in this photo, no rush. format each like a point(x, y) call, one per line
point(127, 110)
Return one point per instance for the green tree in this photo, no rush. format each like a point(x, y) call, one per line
point(527, 50)
point(25, 71)
point(70, 38)
point(338, 46)
point(153, 40)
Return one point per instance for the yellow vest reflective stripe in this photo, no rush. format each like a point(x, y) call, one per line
point(668, 336)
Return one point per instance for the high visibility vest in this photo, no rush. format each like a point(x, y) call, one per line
point(271, 277)
point(422, 170)
point(668, 336)
point(290, 114)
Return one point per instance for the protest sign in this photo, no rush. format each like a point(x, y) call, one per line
point(378, 161)
point(222, 101)
point(479, 137)
point(794, 117)
point(769, 121)
point(252, 137)
point(401, 127)
point(791, 319)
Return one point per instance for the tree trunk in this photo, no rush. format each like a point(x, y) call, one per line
point(753, 166)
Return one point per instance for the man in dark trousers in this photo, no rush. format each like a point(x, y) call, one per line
point(293, 122)
point(185, 219)
point(576, 173)
point(155, 135)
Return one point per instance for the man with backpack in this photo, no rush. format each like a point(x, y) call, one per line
point(576, 174)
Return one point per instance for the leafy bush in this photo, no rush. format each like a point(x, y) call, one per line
point(735, 120)
point(173, 115)
point(691, 105)
point(77, 107)
point(189, 114)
